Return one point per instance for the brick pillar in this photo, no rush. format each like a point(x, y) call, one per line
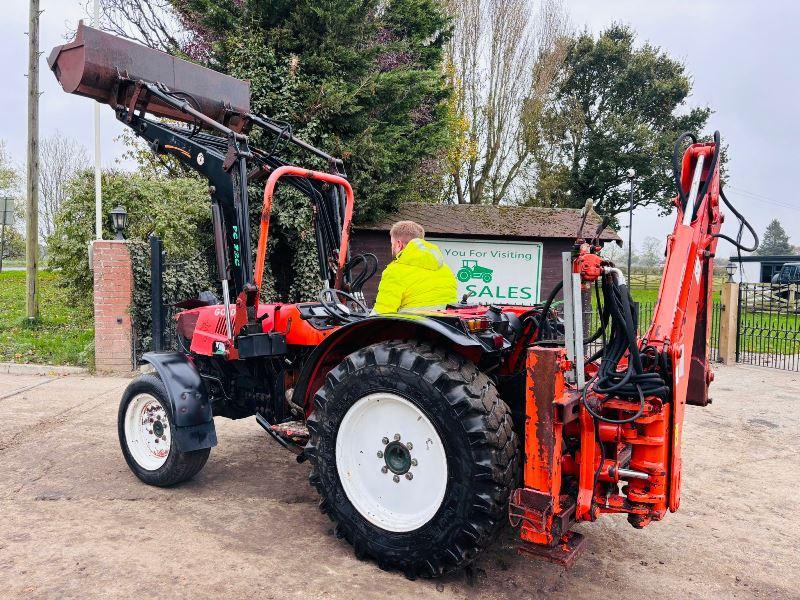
point(113, 294)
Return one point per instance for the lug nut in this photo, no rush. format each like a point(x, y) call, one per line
point(414, 462)
point(380, 454)
point(396, 437)
point(410, 446)
point(409, 476)
point(384, 469)
point(396, 478)
point(385, 441)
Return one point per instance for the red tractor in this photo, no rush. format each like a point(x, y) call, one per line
point(426, 431)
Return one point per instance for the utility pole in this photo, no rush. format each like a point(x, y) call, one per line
point(631, 176)
point(4, 217)
point(98, 189)
point(32, 206)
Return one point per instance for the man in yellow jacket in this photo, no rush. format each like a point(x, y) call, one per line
point(418, 276)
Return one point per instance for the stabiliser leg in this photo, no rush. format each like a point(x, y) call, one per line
point(543, 513)
point(565, 552)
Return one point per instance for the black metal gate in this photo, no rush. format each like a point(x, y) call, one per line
point(171, 281)
point(768, 329)
point(646, 318)
point(157, 256)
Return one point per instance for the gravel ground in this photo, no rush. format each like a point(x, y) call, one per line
point(74, 522)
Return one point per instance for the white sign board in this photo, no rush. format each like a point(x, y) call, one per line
point(496, 272)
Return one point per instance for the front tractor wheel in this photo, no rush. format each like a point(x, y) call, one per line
point(145, 424)
point(414, 456)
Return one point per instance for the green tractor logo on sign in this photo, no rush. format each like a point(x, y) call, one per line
point(470, 269)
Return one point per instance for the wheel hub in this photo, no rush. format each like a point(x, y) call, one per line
point(391, 462)
point(147, 431)
point(397, 457)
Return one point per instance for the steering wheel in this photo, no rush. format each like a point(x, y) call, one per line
point(330, 300)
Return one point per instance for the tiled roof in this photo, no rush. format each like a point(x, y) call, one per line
point(494, 221)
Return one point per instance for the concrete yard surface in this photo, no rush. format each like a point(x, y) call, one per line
point(76, 523)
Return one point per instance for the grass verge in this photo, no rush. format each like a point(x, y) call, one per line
point(63, 334)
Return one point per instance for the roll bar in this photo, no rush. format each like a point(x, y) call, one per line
point(266, 210)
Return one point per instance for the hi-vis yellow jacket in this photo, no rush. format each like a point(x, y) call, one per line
point(417, 277)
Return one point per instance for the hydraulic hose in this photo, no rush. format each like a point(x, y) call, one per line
point(633, 383)
point(737, 243)
point(704, 190)
point(623, 340)
point(548, 304)
point(526, 337)
point(369, 266)
point(676, 165)
point(676, 170)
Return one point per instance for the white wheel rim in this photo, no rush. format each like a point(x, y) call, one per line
point(393, 501)
point(147, 432)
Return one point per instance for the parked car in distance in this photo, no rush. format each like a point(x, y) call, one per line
point(789, 273)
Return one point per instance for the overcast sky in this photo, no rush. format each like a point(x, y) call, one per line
point(742, 54)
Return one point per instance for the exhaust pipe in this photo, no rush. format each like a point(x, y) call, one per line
point(104, 67)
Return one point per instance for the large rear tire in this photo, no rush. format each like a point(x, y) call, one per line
point(414, 456)
point(145, 424)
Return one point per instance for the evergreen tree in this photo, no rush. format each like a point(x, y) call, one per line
point(361, 80)
point(775, 241)
point(614, 107)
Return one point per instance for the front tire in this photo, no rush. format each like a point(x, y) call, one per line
point(144, 425)
point(414, 456)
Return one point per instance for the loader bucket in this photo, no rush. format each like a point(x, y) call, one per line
point(98, 65)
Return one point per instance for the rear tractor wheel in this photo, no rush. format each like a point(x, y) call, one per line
point(414, 456)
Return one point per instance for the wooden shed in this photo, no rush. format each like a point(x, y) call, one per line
point(504, 254)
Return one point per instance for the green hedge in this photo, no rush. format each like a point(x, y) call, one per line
point(175, 209)
point(178, 211)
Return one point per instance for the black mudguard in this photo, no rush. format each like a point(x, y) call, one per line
point(191, 409)
point(360, 334)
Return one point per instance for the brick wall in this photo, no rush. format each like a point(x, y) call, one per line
point(113, 293)
point(377, 242)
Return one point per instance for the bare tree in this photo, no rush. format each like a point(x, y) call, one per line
point(651, 252)
point(9, 175)
point(611, 251)
point(503, 57)
point(154, 23)
point(60, 160)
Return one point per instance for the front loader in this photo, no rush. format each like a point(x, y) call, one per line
point(426, 431)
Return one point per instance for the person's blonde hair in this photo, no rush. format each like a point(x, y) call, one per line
point(405, 231)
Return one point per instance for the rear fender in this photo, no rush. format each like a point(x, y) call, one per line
point(353, 336)
point(188, 398)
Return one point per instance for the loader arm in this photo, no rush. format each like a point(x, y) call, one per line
point(205, 154)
